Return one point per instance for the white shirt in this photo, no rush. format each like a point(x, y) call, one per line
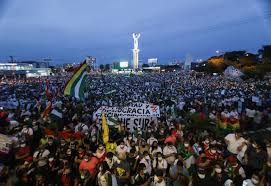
point(248, 182)
point(151, 140)
point(28, 131)
point(148, 164)
point(84, 128)
point(153, 152)
point(102, 181)
point(169, 150)
point(161, 164)
point(234, 143)
point(44, 154)
point(154, 183)
point(121, 151)
point(110, 163)
point(250, 113)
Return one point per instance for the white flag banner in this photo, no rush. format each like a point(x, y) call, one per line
point(142, 110)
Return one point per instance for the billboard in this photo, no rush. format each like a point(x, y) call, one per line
point(124, 64)
point(152, 61)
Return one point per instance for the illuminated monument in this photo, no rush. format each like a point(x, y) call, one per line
point(135, 50)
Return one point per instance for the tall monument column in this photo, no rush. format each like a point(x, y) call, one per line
point(135, 50)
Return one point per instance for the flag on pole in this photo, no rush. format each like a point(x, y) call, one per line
point(112, 122)
point(105, 129)
point(56, 114)
point(47, 110)
point(76, 85)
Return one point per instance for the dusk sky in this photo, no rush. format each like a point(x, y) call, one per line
point(69, 30)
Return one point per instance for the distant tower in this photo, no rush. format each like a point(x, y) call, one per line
point(91, 61)
point(135, 50)
point(188, 60)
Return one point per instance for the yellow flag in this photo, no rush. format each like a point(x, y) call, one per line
point(105, 129)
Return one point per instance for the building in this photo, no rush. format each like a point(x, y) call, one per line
point(25, 69)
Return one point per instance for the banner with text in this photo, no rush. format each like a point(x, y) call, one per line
point(133, 116)
point(141, 110)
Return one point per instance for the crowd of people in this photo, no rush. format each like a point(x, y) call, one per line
point(207, 132)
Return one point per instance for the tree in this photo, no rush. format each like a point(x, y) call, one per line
point(102, 67)
point(107, 67)
point(145, 65)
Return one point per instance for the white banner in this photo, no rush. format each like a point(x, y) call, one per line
point(134, 123)
point(138, 110)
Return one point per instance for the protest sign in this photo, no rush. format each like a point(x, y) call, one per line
point(133, 116)
point(141, 110)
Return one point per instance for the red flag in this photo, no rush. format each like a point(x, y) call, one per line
point(47, 110)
